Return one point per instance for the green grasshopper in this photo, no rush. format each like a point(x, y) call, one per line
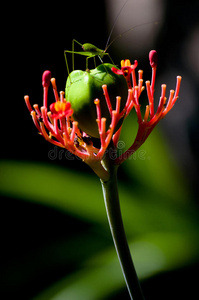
point(89, 50)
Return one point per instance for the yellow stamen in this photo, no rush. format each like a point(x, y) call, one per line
point(127, 63)
point(60, 106)
point(122, 63)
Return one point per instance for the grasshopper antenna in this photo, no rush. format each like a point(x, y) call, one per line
point(128, 30)
point(107, 43)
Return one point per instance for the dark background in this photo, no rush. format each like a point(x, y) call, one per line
point(34, 37)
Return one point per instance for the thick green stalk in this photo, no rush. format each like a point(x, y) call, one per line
point(111, 198)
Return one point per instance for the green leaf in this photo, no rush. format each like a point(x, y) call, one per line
point(62, 189)
point(81, 196)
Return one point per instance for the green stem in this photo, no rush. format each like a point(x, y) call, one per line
point(111, 198)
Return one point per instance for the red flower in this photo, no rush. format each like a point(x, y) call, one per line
point(61, 110)
point(126, 70)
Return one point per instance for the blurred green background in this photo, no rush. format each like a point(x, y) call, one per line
point(55, 239)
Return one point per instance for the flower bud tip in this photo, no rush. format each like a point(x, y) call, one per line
point(46, 78)
point(153, 58)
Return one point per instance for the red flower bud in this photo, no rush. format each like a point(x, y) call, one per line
point(153, 58)
point(46, 77)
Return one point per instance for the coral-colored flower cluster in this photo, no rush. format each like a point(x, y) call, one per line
point(57, 125)
point(150, 119)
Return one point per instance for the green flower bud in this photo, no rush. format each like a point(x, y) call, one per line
point(83, 87)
